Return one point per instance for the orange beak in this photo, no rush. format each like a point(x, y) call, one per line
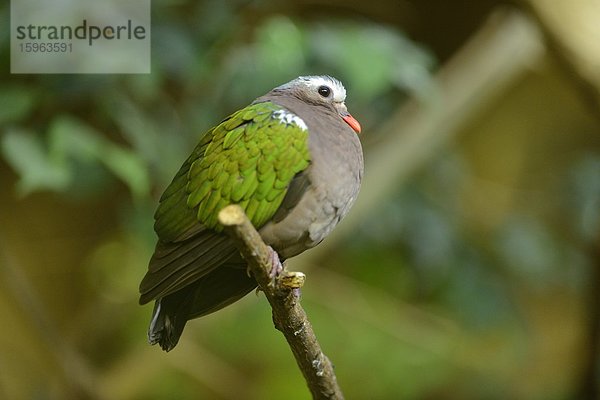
point(350, 120)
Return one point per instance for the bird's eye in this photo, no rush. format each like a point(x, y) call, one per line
point(324, 91)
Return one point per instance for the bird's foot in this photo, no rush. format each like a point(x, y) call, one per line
point(297, 292)
point(276, 266)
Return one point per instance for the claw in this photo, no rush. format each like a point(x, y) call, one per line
point(297, 293)
point(276, 266)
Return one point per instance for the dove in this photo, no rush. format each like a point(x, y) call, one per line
point(292, 160)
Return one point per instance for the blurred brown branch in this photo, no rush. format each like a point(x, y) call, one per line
point(288, 315)
point(506, 46)
point(571, 32)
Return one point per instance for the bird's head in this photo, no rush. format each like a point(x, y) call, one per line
point(322, 90)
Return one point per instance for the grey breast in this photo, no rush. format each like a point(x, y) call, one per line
point(334, 177)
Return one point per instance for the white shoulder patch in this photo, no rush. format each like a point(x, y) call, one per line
point(288, 118)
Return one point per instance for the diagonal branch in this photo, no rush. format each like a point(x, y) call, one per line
point(283, 295)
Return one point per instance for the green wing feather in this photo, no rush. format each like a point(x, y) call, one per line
point(249, 159)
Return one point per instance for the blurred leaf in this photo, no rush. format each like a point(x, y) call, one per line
point(26, 154)
point(586, 196)
point(374, 58)
point(137, 127)
point(4, 28)
point(280, 47)
point(70, 138)
point(527, 248)
point(145, 87)
point(16, 102)
point(177, 47)
point(129, 167)
point(157, 137)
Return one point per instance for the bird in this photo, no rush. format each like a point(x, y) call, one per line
point(292, 160)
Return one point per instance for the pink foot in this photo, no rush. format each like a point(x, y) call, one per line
point(276, 266)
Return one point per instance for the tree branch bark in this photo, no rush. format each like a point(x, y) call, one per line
point(282, 292)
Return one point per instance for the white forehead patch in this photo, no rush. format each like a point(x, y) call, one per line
point(314, 81)
point(288, 118)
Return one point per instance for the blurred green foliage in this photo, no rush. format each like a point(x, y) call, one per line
point(71, 145)
point(141, 124)
point(424, 301)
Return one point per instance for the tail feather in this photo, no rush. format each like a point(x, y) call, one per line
point(168, 319)
point(214, 291)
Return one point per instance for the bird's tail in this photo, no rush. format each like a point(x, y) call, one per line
point(168, 319)
point(212, 292)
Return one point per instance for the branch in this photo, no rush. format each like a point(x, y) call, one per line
point(571, 32)
point(283, 295)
